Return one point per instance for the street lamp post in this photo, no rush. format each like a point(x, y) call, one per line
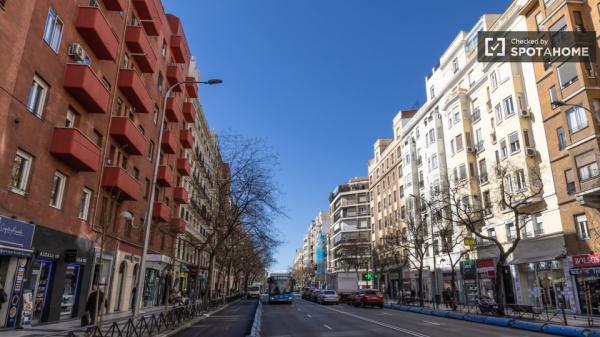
point(148, 220)
point(555, 104)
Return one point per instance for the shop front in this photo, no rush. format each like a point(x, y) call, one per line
point(469, 293)
point(585, 270)
point(15, 255)
point(158, 280)
point(59, 275)
point(124, 281)
point(486, 274)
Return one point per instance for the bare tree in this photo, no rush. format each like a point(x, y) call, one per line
point(245, 198)
point(518, 199)
point(413, 241)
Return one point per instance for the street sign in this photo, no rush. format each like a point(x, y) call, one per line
point(367, 276)
point(470, 241)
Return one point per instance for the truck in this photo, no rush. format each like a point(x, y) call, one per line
point(345, 284)
point(254, 290)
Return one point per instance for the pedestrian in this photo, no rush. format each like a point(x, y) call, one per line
point(95, 301)
point(133, 298)
point(446, 297)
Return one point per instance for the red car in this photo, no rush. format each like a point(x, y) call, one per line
point(368, 297)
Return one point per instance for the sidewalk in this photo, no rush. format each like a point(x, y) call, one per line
point(49, 329)
point(552, 316)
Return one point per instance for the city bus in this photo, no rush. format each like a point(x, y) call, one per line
point(281, 286)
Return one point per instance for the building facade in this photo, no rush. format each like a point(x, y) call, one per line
point(88, 78)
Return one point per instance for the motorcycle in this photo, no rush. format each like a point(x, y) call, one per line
point(487, 305)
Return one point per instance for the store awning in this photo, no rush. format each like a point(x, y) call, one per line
point(539, 249)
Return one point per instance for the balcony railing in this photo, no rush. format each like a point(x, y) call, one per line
point(83, 84)
point(116, 179)
point(172, 111)
point(174, 76)
point(180, 195)
point(164, 176)
point(160, 211)
point(168, 144)
point(139, 45)
point(189, 112)
point(128, 135)
point(134, 90)
point(148, 15)
point(75, 149)
point(191, 88)
point(186, 138)
point(96, 31)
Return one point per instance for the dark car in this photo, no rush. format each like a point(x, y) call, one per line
point(314, 295)
point(305, 292)
point(368, 297)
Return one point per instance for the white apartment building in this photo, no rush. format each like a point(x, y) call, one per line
point(349, 239)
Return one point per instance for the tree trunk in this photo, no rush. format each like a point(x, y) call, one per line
point(499, 286)
point(208, 290)
point(420, 286)
point(453, 294)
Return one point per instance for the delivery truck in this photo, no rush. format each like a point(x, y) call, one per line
point(345, 284)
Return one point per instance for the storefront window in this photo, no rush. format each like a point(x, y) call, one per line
point(69, 295)
point(40, 277)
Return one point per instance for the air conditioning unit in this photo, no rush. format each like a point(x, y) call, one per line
point(525, 113)
point(530, 152)
point(472, 149)
point(77, 52)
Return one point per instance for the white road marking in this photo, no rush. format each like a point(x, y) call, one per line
point(309, 315)
point(385, 325)
point(327, 326)
point(432, 323)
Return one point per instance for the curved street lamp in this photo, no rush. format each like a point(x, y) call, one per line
point(555, 104)
point(148, 219)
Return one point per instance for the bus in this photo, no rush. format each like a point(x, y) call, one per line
point(281, 286)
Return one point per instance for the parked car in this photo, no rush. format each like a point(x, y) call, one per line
point(368, 297)
point(305, 292)
point(352, 297)
point(328, 296)
point(315, 295)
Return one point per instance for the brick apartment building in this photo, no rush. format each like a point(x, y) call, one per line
point(81, 83)
point(572, 129)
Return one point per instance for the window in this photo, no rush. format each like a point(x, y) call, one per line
point(470, 78)
point(511, 233)
point(493, 80)
point(567, 74)
point(150, 150)
point(434, 162)
point(456, 117)
point(462, 171)
point(146, 188)
point(503, 72)
point(491, 232)
point(20, 172)
point(570, 180)
point(58, 189)
point(452, 147)
point(503, 149)
point(97, 137)
point(539, 18)
point(160, 82)
point(70, 119)
point(84, 204)
point(498, 113)
point(553, 94)
point(483, 171)
point(508, 187)
point(513, 140)
point(509, 107)
point(459, 143)
point(538, 224)
point(37, 96)
point(583, 231)
point(455, 66)
point(163, 49)
point(548, 3)
point(478, 139)
point(520, 179)
point(53, 30)
point(432, 92)
point(476, 115)
point(587, 165)
point(562, 142)
point(576, 119)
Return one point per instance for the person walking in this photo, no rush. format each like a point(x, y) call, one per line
point(95, 297)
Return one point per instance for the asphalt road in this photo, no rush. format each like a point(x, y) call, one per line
point(307, 319)
point(233, 321)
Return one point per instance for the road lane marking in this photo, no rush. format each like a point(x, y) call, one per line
point(432, 323)
point(327, 326)
point(385, 325)
point(309, 315)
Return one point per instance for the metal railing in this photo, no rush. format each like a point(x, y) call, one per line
point(150, 324)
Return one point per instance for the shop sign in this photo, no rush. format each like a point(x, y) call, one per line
point(585, 271)
point(15, 297)
point(394, 276)
point(467, 269)
point(470, 241)
point(47, 255)
point(587, 260)
point(16, 233)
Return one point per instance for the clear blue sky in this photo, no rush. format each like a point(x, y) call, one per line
point(320, 80)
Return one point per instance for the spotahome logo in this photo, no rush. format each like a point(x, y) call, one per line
point(547, 47)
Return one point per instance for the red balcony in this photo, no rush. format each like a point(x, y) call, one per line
point(114, 5)
point(174, 76)
point(180, 195)
point(128, 135)
point(160, 212)
point(168, 143)
point(72, 147)
point(189, 112)
point(187, 138)
point(133, 88)
point(96, 31)
point(86, 88)
point(191, 88)
point(140, 47)
point(117, 179)
point(172, 112)
point(178, 225)
point(148, 14)
point(164, 176)
point(179, 49)
point(184, 167)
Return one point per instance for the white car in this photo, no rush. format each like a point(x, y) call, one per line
point(328, 296)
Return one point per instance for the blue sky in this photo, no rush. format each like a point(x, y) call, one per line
point(320, 80)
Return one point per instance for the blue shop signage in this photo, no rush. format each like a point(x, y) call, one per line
point(15, 233)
